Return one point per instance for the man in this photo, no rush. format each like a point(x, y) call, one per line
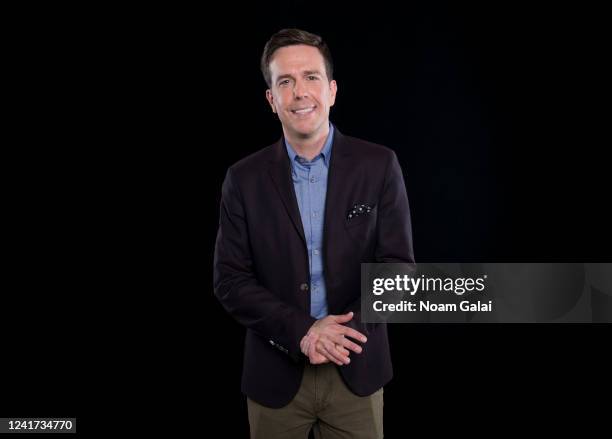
point(296, 221)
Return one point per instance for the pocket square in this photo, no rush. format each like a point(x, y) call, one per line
point(359, 209)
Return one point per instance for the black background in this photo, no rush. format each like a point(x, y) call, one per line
point(125, 121)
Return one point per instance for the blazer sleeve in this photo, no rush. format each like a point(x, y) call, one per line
point(236, 285)
point(393, 232)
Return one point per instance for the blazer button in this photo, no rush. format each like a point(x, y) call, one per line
point(304, 287)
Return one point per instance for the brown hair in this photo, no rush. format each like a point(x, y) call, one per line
point(291, 37)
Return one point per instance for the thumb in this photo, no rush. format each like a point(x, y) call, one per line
point(343, 318)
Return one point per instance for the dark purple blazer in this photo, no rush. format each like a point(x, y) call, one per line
point(261, 268)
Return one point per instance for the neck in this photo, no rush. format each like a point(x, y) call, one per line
point(308, 146)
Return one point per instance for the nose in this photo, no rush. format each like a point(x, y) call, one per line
point(299, 89)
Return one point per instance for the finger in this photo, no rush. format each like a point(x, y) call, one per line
point(319, 349)
point(305, 346)
point(346, 343)
point(331, 356)
point(335, 354)
point(322, 350)
point(343, 318)
point(309, 339)
point(342, 350)
point(311, 352)
point(315, 357)
point(320, 359)
point(350, 332)
point(340, 353)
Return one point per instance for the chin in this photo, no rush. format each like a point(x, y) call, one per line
point(306, 130)
point(304, 134)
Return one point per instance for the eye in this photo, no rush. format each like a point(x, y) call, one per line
point(284, 82)
point(312, 78)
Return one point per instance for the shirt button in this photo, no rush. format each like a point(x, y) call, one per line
point(313, 179)
point(304, 287)
point(316, 252)
point(314, 214)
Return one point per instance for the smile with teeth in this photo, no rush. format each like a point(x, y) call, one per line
point(303, 110)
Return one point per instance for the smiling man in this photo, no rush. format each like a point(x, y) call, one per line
point(301, 94)
point(297, 219)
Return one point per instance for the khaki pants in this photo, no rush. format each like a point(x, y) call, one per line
point(322, 403)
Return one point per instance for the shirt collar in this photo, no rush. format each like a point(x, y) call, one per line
point(325, 151)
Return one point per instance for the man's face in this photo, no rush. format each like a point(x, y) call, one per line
point(300, 92)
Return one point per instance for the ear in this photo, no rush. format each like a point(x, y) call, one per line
point(333, 88)
point(270, 99)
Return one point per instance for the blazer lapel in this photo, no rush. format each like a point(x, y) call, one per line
point(335, 202)
point(339, 170)
point(280, 171)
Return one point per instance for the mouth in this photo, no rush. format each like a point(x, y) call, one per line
point(303, 111)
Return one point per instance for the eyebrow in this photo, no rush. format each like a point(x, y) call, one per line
point(305, 73)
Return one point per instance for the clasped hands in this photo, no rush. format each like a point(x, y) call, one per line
point(326, 340)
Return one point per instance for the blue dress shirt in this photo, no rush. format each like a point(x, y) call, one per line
point(310, 183)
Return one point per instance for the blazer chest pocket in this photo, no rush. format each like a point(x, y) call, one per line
point(365, 216)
